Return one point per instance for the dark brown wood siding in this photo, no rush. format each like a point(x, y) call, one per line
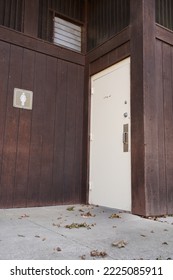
point(40, 150)
point(110, 52)
point(164, 13)
point(11, 14)
point(106, 18)
point(164, 89)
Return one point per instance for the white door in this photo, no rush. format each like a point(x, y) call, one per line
point(110, 157)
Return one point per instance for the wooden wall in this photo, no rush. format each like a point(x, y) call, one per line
point(11, 14)
point(106, 18)
point(110, 52)
point(44, 153)
point(164, 90)
point(40, 150)
point(152, 112)
point(164, 13)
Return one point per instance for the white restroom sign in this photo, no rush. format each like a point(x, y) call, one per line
point(23, 99)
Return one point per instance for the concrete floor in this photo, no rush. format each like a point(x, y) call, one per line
point(82, 232)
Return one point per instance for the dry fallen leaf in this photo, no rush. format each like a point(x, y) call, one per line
point(114, 216)
point(165, 243)
point(92, 225)
point(159, 258)
point(58, 249)
point(96, 253)
point(151, 218)
point(76, 225)
point(23, 216)
point(56, 225)
point(119, 244)
point(87, 215)
point(70, 208)
point(83, 257)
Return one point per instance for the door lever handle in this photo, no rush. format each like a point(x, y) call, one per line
point(125, 137)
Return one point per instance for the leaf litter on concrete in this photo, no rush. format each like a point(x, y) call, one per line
point(23, 216)
point(96, 253)
point(88, 215)
point(79, 225)
point(56, 225)
point(114, 216)
point(57, 249)
point(21, 235)
point(119, 244)
point(70, 208)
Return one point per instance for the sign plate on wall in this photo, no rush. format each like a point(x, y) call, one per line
point(23, 98)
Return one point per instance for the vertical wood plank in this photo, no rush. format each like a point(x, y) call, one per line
point(80, 192)
point(24, 134)
point(137, 111)
point(43, 19)
point(31, 23)
point(11, 129)
point(150, 111)
point(144, 123)
point(4, 70)
point(86, 129)
point(60, 128)
point(7, 13)
point(34, 176)
point(2, 9)
point(168, 114)
point(48, 120)
point(69, 163)
point(12, 14)
point(19, 15)
point(162, 188)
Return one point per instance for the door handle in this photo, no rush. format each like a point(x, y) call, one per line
point(125, 138)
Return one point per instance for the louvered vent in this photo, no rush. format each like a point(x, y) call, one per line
point(67, 34)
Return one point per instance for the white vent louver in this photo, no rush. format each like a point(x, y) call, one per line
point(67, 34)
